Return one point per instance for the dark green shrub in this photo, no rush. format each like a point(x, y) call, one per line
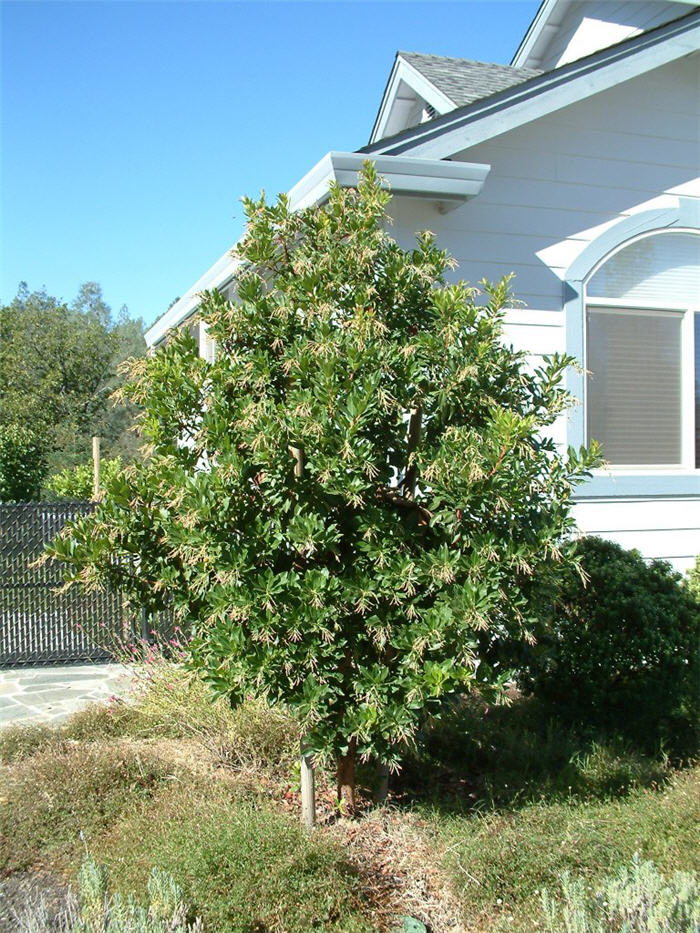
point(622, 650)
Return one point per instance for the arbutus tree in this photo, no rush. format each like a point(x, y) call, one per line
point(349, 507)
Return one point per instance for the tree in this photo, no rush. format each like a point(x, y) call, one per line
point(349, 506)
point(58, 368)
point(22, 464)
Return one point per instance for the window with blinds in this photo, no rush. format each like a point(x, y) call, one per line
point(642, 311)
point(634, 386)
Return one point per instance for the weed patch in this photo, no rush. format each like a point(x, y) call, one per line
point(21, 741)
point(50, 798)
point(500, 862)
point(244, 867)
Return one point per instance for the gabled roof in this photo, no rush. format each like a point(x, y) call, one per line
point(546, 92)
point(465, 81)
point(422, 86)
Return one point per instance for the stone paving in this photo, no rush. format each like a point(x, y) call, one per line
point(49, 694)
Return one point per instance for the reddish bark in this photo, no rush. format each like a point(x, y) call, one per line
point(345, 776)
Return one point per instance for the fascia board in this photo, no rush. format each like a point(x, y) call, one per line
point(424, 87)
point(448, 183)
point(403, 71)
point(217, 276)
point(313, 187)
point(532, 36)
point(387, 101)
point(545, 94)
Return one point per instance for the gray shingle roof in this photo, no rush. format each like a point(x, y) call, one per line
point(465, 81)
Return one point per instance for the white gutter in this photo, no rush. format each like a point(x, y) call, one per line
point(448, 184)
point(217, 277)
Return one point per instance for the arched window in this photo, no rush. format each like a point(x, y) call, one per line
point(642, 352)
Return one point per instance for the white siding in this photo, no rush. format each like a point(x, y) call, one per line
point(664, 528)
point(554, 186)
point(557, 182)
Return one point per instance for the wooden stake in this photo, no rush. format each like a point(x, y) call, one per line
point(308, 787)
point(96, 468)
point(308, 790)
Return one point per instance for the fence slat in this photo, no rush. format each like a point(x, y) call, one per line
point(39, 625)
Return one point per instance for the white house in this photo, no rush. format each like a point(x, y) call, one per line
point(576, 167)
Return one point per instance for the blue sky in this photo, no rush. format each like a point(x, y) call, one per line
point(131, 129)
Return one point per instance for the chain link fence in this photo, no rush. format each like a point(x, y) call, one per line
point(40, 623)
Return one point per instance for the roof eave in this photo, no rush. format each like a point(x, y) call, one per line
point(534, 31)
point(448, 184)
point(218, 276)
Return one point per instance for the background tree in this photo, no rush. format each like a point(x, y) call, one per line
point(58, 368)
point(22, 464)
point(349, 506)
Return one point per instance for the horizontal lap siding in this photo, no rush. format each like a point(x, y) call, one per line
point(557, 182)
point(553, 186)
point(667, 529)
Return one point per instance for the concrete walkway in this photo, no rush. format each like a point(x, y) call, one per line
point(49, 694)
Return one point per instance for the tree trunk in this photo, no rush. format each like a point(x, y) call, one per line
point(382, 789)
point(346, 778)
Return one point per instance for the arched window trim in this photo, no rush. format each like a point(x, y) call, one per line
point(640, 482)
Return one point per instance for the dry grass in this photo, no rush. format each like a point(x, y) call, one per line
point(392, 852)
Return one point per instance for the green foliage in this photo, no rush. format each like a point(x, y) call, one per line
point(350, 506)
point(624, 648)
point(58, 368)
point(77, 482)
point(499, 862)
point(636, 899)
point(693, 579)
point(22, 463)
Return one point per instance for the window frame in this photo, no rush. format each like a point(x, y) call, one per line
point(680, 214)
